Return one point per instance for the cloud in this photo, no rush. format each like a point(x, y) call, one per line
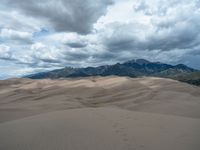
point(165, 33)
point(13, 19)
point(41, 55)
point(16, 36)
point(64, 15)
point(73, 40)
point(53, 34)
point(76, 45)
point(175, 29)
point(5, 52)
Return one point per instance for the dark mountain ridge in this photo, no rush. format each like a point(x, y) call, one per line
point(191, 78)
point(133, 68)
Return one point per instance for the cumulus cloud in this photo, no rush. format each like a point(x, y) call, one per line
point(16, 36)
point(150, 28)
point(73, 40)
point(5, 52)
point(170, 27)
point(40, 54)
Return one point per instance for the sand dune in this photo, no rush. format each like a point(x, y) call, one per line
point(99, 113)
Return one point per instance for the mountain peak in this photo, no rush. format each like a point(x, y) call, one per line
point(184, 67)
point(139, 61)
point(142, 61)
point(181, 65)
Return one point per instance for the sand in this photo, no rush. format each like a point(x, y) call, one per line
point(101, 113)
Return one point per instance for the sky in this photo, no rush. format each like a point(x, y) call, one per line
point(41, 35)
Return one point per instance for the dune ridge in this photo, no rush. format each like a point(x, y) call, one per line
point(108, 113)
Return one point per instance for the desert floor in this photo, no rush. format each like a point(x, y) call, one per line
point(99, 113)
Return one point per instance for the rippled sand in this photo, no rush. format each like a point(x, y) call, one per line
point(99, 113)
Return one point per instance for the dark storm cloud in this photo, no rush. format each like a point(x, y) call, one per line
point(181, 35)
point(177, 35)
point(50, 61)
point(120, 44)
point(77, 45)
point(40, 62)
point(7, 58)
point(79, 56)
point(64, 15)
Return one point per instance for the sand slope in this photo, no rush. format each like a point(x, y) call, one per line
point(100, 129)
point(101, 113)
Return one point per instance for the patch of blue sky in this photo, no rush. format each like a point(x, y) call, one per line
point(44, 31)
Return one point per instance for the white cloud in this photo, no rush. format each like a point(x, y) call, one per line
point(5, 52)
point(16, 36)
point(45, 54)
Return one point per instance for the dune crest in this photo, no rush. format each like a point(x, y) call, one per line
point(107, 113)
point(151, 94)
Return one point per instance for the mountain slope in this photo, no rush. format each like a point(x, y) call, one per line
point(133, 68)
point(191, 78)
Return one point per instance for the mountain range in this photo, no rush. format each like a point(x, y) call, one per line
point(132, 68)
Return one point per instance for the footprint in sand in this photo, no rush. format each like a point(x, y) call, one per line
point(122, 133)
point(119, 130)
